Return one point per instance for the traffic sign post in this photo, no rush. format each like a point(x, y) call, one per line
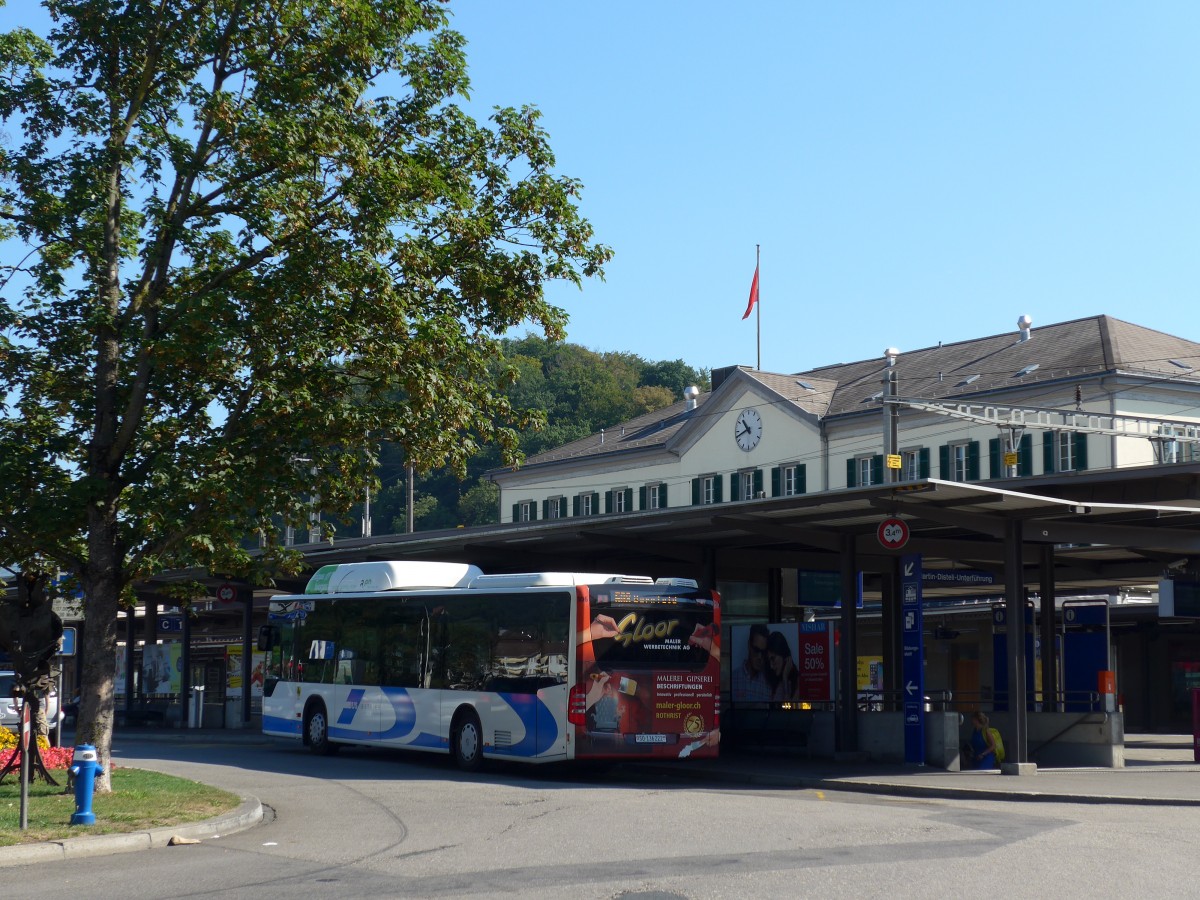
point(913, 625)
point(227, 593)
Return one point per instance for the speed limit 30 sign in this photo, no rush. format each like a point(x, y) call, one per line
point(893, 533)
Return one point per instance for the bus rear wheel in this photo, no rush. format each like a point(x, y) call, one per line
point(316, 730)
point(467, 741)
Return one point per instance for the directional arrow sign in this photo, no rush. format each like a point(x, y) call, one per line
point(913, 671)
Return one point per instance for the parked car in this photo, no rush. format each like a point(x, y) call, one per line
point(10, 715)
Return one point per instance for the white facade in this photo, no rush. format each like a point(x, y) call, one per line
point(762, 435)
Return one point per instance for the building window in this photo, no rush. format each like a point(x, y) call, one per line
point(960, 462)
point(619, 501)
point(863, 464)
point(656, 496)
point(555, 508)
point(526, 512)
point(587, 504)
point(746, 484)
point(1064, 452)
point(1172, 446)
point(791, 480)
point(910, 465)
point(864, 470)
point(706, 490)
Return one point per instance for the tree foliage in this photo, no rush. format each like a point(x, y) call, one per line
point(567, 390)
point(246, 241)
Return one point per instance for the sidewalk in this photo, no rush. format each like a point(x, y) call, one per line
point(1159, 771)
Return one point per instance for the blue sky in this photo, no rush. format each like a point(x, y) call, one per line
point(915, 172)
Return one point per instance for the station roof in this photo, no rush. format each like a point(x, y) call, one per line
point(1101, 539)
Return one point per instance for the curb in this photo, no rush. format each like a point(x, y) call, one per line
point(247, 815)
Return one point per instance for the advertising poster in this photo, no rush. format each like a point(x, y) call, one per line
point(160, 668)
point(649, 675)
point(119, 681)
point(233, 673)
point(781, 663)
point(816, 661)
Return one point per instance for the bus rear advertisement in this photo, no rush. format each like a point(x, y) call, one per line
point(532, 667)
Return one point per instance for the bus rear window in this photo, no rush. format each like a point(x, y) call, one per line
point(653, 636)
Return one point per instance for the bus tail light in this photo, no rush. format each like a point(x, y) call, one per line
point(577, 705)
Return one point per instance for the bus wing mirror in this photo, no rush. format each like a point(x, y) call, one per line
point(268, 636)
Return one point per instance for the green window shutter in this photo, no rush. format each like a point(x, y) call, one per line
point(735, 487)
point(758, 482)
point(516, 512)
point(662, 496)
point(608, 501)
point(944, 462)
point(776, 482)
point(1047, 451)
point(642, 498)
point(973, 461)
point(545, 509)
point(995, 459)
point(695, 492)
point(851, 472)
point(801, 480)
point(1025, 460)
point(1081, 460)
point(877, 469)
point(595, 502)
point(923, 462)
point(575, 501)
point(628, 499)
point(718, 485)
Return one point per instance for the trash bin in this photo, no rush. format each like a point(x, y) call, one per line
point(233, 713)
point(196, 707)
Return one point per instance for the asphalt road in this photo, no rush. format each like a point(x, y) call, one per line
point(379, 824)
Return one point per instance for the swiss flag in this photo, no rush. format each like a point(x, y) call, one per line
point(753, 295)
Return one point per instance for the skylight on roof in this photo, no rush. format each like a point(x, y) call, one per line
point(970, 379)
point(1025, 371)
point(804, 384)
point(1180, 363)
point(873, 397)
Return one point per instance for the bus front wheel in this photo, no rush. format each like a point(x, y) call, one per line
point(316, 730)
point(468, 741)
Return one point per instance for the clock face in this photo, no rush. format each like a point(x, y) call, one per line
point(747, 430)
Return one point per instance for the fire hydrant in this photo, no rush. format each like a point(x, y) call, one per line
point(84, 766)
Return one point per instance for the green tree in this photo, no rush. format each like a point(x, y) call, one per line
point(247, 240)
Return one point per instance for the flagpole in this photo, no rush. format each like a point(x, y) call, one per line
point(758, 305)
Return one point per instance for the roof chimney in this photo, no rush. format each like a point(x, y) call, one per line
point(1025, 324)
point(690, 394)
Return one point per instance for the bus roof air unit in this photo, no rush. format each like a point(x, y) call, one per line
point(554, 579)
point(409, 575)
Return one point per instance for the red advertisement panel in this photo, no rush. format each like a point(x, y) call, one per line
point(649, 673)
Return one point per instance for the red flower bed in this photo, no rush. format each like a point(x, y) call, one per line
point(53, 757)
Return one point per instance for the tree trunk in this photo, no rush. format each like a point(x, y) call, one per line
point(97, 696)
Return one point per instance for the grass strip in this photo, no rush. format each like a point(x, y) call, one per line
point(140, 799)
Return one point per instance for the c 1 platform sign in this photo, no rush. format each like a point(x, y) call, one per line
point(913, 644)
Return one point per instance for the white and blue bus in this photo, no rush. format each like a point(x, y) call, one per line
point(535, 667)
